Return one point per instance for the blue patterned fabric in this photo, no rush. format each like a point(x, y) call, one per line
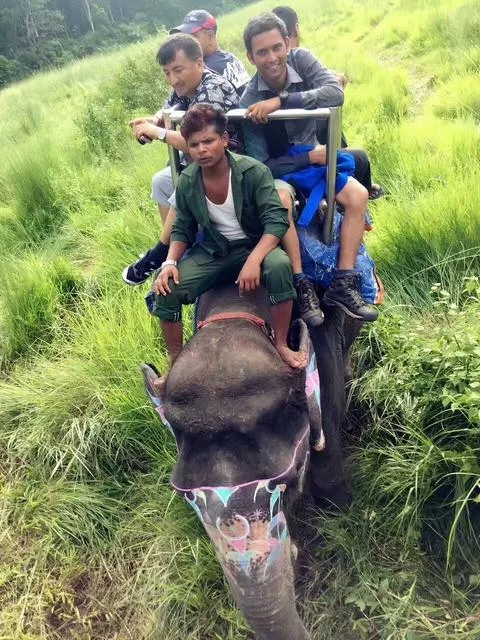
point(319, 261)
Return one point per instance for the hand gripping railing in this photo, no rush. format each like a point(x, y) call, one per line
point(332, 114)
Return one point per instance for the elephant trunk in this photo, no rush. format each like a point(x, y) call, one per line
point(268, 604)
point(248, 528)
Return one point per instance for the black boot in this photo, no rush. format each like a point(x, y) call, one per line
point(308, 304)
point(344, 292)
point(140, 270)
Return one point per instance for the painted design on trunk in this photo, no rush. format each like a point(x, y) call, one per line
point(246, 524)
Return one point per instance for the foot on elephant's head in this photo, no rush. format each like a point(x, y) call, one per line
point(154, 381)
point(295, 359)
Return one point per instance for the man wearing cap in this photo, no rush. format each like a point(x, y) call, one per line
point(203, 26)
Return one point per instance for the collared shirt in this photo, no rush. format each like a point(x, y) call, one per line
point(216, 90)
point(230, 67)
point(255, 198)
point(310, 85)
point(213, 89)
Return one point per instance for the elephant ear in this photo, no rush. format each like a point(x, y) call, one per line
point(155, 393)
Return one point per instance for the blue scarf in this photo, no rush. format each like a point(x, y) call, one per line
point(313, 180)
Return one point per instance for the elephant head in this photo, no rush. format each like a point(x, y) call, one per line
point(241, 421)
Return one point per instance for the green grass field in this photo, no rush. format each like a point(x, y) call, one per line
point(93, 543)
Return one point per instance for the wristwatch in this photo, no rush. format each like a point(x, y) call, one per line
point(283, 95)
point(168, 263)
point(162, 134)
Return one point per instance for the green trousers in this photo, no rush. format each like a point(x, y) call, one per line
point(201, 271)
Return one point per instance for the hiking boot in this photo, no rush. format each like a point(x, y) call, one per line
point(308, 304)
point(344, 292)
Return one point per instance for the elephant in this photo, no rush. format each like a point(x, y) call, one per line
point(250, 442)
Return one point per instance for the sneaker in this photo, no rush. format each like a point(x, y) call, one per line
point(308, 304)
point(140, 270)
point(344, 292)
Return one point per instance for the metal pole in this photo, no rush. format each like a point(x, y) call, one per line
point(332, 114)
point(173, 154)
point(333, 144)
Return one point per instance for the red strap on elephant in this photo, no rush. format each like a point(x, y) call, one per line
point(233, 315)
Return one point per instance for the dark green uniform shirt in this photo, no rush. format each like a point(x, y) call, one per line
point(256, 201)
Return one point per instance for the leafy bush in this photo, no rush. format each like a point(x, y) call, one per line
point(424, 400)
point(136, 89)
point(140, 84)
point(10, 70)
point(103, 124)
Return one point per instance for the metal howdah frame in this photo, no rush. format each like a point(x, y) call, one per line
point(334, 117)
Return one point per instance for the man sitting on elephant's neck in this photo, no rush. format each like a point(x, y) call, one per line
point(233, 199)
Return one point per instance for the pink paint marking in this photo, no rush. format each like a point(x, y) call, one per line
point(246, 484)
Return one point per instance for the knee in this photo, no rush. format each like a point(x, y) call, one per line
point(162, 187)
point(285, 200)
point(167, 307)
point(277, 264)
point(354, 196)
point(158, 179)
point(361, 158)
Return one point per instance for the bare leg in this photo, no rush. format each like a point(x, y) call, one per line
point(173, 336)
point(141, 269)
point(281, 315)
point(344, 292)
point(168, 225)
point(308, 304)
point(290, 240)
point(163, 210)
point(354, 198)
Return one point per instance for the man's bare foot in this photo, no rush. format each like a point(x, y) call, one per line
point(159, 384)
point(295, 359)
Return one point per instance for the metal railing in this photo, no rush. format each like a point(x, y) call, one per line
point(334, 116)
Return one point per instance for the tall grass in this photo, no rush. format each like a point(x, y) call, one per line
point(94, 543)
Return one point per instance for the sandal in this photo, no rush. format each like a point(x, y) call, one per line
point(376, 192)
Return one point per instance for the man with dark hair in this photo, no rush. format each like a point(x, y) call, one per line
point(363, 172)
point(296, 79)
point(235, 201)
point(290, 18)
point(180, 57)
point(203, 26)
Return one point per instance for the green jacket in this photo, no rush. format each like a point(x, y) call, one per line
point(256, 201)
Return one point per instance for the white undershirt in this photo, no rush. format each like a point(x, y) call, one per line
point(223, 216)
